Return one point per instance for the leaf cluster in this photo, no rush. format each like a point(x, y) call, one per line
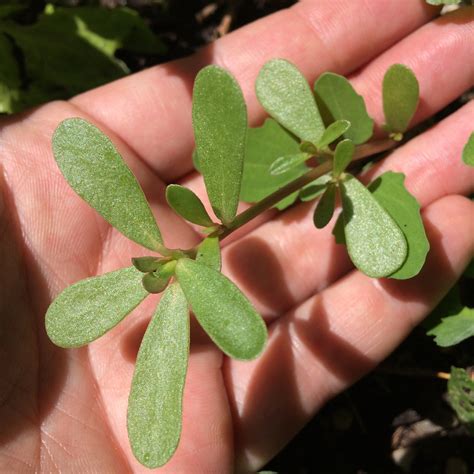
point(67, 50)
point(305, 150)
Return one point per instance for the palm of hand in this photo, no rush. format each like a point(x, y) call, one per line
point(68, 408)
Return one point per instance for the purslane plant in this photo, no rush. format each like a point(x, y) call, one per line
point(303, 151)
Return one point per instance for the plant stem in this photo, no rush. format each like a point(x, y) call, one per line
point(268, 202)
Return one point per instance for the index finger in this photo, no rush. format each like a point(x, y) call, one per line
point(151, 111)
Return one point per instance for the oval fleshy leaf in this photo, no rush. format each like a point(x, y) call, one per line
point(187, 205)
point(325, 207)
point(400, 91)
point(156, 397)
point(154, 283)
point(264, 145)
point(390, 192)
point(88, 309)
point(315, 188)
point(146, 264)
point(374, 241)
point(337, 100)
point(285, 163)
point(285, 94)
point(95, 170)
point(220, 129)
point(209, 253)
point(468, 151)
point(333, 132)
point(342, 156)
point(222, 310)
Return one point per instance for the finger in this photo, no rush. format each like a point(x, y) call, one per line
point(151, 111)
point(284, 261)
point(335, 337)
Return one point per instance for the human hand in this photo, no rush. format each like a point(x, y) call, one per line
point(329, 324)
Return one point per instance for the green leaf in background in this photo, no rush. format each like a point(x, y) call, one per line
point(337, 100)
point(209, 253)
point(88, 309)
point(325, 208)
point(451, 322)
point(390, 192)
point(9, 9)
point(156, 397)
point(185, 203)
point(461, 396)
point(84, 38)
point(95, 170)
point(10, 77)
point(285, 94)
point(374, 241)
point(220, 129)
point(285, 163)
point(333, 132)
point(468, 151)
point(264, 145)
point(222, 310)
point(342, 156)
point(400, 91)
point(315, 188)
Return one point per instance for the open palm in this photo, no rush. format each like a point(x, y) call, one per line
point(66, 409)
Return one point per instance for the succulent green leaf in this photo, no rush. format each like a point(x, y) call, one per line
point(468, 151)
point(315, 188)
point(264, 145)
point(88, 309)
point(325, 207)
point(95, 170)
point(337, 100)
point(333, 132)
point(374, 241)
point(285, 163)
point(342, 156)
point(285, 94)
point(401, 92)
point(154, 283)
point(187, 205)
point(389, 190)
point(220, 129)
point(461, 396)
point(338, 230)
point(146, 264)
point(222, 310)
point(209, 253)
point(156, 397)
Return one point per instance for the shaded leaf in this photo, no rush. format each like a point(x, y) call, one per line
point(315, 188)
point(156, 397)
point(325, 208)
point(95, 170)
point(337, 100)
point(342, 156)
point(10, 77)
point(285, 163)
point(154, 283)
point(338, 230)
point(468, 151)
point(285, 94)
point(461, 396)
point(209, 253)
point(220, 129)
point(333, 132)
point(375, 243)
point(88, 309)
point(146, 264)
point(400, 91)
point(390, 192)
point(264, 145)
point(222, 310)
point(185, 203)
